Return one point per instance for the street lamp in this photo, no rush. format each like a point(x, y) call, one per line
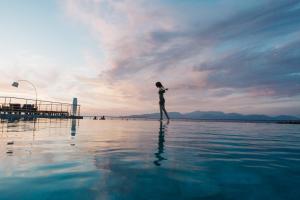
point(16, 84)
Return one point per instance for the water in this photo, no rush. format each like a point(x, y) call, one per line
point(58, 159)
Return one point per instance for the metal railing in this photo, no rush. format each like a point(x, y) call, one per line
point(16, 105)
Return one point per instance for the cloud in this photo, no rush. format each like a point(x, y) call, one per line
point(276, 70)
point(244, 53)
point(53, 82)
point(266, 57)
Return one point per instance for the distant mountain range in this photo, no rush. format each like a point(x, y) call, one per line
point(215, 115)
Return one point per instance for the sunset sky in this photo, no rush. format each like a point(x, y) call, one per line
point(213, 55)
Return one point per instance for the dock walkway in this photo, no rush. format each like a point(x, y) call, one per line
point(29, 108)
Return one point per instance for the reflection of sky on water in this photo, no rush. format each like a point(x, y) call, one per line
point(161, 141)
point(113, 159)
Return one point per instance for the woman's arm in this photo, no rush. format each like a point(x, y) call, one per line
point(164, 89)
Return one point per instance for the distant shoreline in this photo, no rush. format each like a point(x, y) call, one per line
point(219, 116)
point(213, 120)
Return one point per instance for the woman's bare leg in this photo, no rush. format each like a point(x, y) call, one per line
point(165, 111)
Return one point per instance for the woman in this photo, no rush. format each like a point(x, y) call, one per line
point(161, 92)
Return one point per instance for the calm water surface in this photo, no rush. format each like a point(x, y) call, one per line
point(86, 159)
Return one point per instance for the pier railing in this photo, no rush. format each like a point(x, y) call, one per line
point(23, 106)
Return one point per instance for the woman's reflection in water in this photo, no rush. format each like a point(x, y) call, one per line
point(161, 141)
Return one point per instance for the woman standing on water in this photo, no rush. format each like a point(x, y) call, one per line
point(161, 92)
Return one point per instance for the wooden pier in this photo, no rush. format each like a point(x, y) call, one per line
point(14, 107)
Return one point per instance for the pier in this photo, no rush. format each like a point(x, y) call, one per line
point(14, 107)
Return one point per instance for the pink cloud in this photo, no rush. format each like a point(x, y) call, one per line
point(144, 42)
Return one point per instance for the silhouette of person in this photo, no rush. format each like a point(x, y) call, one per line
point(161, 141)
point(161, 92)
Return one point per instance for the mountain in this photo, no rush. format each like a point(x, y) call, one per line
point(216, 115)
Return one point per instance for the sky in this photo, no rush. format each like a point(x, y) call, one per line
point(213, 55)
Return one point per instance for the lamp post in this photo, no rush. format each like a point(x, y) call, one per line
point(16, 84)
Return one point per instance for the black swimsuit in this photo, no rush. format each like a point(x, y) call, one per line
point(161, 97)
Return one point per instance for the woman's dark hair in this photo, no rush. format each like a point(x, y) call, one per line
point(158, 84)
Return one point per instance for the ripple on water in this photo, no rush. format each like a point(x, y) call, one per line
point(121, 159)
